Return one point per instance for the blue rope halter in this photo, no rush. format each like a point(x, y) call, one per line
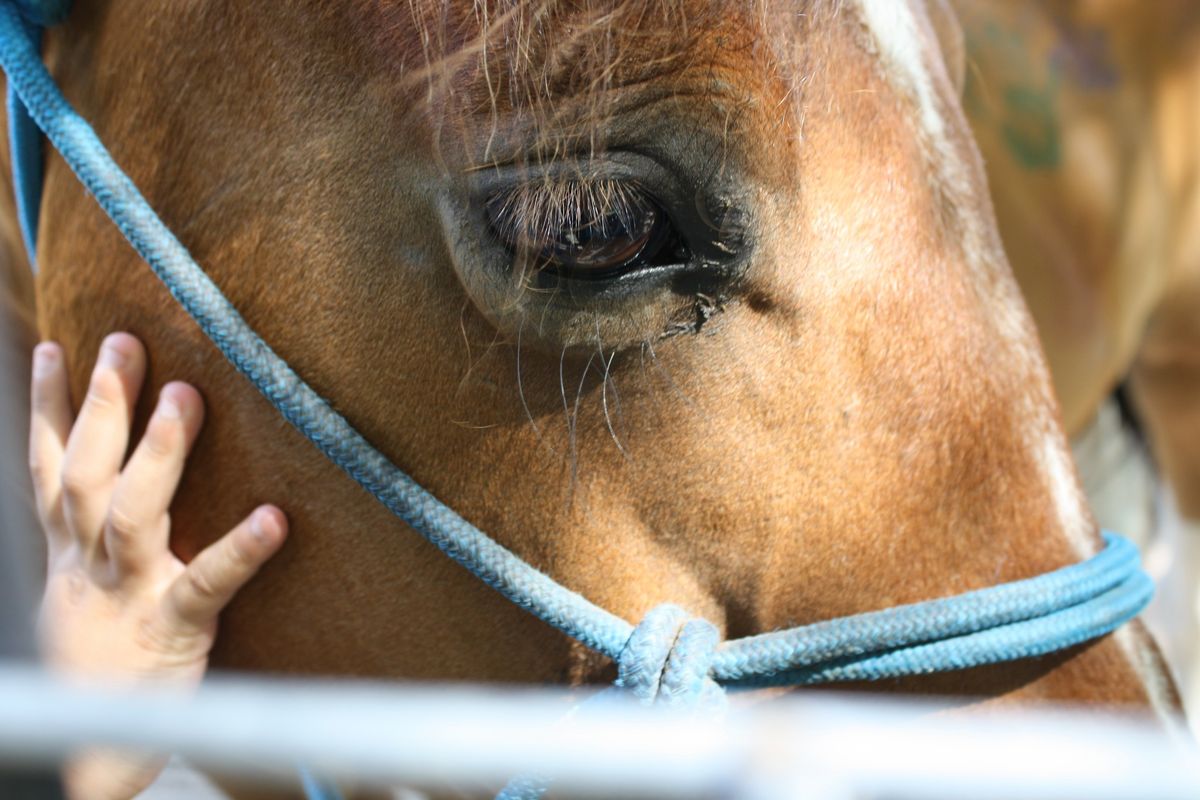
point(670, 657)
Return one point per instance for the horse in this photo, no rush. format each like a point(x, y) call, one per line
point(1087, 133)
point(696, 301)
point(1085, 114)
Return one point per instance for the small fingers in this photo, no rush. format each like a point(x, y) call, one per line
point(49, 426)
point(210, 581)
point(137, 527)
point(96, 445)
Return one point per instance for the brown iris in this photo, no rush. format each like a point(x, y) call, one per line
point(587, 230)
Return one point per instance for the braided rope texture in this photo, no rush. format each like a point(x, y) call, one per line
point(670, 657)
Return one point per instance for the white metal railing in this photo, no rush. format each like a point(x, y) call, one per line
point(472, 738)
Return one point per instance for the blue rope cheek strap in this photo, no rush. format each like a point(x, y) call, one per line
point(670, 657)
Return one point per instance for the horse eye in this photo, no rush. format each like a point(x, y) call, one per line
point(588, 231)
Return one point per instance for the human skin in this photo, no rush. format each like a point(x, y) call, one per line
point(118, 605)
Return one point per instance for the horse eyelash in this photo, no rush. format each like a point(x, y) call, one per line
point(541, 212)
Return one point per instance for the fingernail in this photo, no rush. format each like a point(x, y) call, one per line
point(111, 357)
point(169, 409)
point(45, 358)
point(263, 525)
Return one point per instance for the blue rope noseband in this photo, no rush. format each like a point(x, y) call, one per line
point(670, 657)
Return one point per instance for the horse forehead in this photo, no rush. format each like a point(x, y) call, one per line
point(903, 49)
point(506, 55)
point(517, 53)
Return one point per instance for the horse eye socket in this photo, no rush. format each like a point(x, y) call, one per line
point(590, 231)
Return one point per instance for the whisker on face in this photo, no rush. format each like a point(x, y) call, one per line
point(573, 423)
point(537, 432)
point(604, 382)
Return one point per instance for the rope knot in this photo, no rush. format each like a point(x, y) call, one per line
point(668, 659)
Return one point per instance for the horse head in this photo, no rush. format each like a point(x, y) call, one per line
point(697, 302)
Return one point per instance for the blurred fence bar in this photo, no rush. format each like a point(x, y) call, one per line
point(471, 739)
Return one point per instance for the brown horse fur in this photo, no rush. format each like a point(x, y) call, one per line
point(854, 414)
point(1087, 113)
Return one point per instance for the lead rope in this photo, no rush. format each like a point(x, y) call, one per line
point(688, 667)
point(317, 788)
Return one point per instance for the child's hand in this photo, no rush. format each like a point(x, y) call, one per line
point(118, 604)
